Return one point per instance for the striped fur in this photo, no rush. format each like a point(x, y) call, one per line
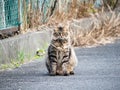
point(61, 58)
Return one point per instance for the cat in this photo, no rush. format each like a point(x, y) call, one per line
point(61, 58)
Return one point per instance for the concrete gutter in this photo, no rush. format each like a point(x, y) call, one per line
point(26, 44)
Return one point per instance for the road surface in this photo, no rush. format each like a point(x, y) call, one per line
point(98, 69)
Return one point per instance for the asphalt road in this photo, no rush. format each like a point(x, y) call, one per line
point(98, 69)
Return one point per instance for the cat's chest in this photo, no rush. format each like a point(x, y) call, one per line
point(61, 53)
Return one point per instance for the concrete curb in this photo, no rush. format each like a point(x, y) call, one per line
point(26, 44)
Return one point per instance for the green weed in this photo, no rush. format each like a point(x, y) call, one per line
point(21, 56)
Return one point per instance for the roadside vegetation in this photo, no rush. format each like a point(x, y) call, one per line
point(22, 59)
point(104, 27)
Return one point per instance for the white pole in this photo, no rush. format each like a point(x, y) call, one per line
point(3, 14)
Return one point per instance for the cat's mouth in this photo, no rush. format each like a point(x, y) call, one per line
point(60, 48)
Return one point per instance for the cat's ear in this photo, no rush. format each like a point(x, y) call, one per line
point(55, 29)
point(66, 28)
point(67, 25)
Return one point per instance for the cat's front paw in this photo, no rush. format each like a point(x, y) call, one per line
point(72, 73)
point(52, 73)
point(66, 73)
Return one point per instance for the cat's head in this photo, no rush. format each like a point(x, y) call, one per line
point(60, 32)
point(60, 36)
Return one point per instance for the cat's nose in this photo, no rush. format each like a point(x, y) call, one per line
point(60, 34)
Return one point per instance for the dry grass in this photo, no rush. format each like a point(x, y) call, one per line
point(75, 10)
point(31, 17)
point(34, 18)
point(101, 33)
point(103, 29)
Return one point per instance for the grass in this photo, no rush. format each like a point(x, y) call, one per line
point(41, 52)
point(73, 9)
point(14, 63)
point(101, 33)
point(23, 58)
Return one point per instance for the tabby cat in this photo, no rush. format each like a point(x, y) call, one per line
point(61, 58)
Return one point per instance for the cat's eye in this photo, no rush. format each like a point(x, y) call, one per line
point(65, 34)
point(56, 34)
